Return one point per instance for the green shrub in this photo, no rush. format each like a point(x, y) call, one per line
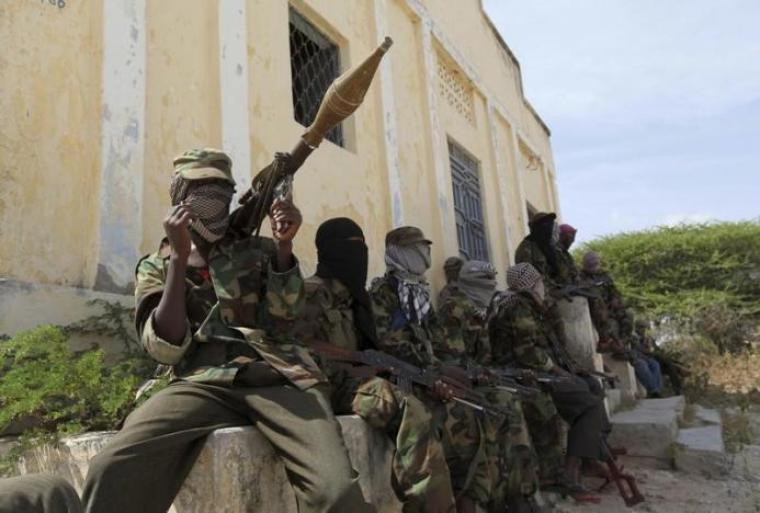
point(706, 277)
point(64, 393)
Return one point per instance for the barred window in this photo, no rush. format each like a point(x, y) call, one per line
point(314, 64)
point(468, 206)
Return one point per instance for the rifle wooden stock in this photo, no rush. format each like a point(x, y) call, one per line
point(625, 482)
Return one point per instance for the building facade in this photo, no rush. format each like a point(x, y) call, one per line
point(98, 96)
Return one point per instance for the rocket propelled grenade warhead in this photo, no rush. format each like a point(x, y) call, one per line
point(344, 96)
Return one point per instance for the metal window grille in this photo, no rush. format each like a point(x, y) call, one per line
point(314, 64)
point(468, 206)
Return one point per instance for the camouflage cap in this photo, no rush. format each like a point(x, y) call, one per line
point(540, 217)
point(405, 236)
point(453, 264)
point(204, 163)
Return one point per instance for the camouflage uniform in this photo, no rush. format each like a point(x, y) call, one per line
point(520, 335)
point(38, 493)
point(608, 312)
point(420, 475)
point(467, 342)
point(544, 422)
point(237, 365)
point(464, 438)
point(530, 252)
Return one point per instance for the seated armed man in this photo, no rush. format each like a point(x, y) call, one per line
point(339, 311)
point(408, 328)
point(219, 310)
point(463, 316)
point(451, 268)
point(520, 335)
point(614, 323)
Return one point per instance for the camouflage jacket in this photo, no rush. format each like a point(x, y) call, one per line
point(446, 291)
point(238, 310)
point(567, 262)
point(327, 315)
point(608, 312)
point(521, 335)
point(528, 251)
point(397, 336)
point(466, 338)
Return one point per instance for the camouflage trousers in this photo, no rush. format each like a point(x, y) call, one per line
point(38, 493)
point(490, 456)
point(421, 476)
point(545, 427)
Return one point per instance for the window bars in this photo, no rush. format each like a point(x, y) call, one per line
point(314, 64)
point(468, 205)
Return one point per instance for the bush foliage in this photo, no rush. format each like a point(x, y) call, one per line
point(53, 392)
point(704, 276)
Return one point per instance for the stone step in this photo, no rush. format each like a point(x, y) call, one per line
point(613, 400)
point(237, 470)
point(700, 451)
point(627, 383)
point(650, 428)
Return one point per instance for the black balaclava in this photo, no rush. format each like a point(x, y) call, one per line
point(541, 232)
point(346, 260)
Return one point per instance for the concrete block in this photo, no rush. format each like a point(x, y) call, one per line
point(746, 464)
point(645, 432)
point(581, 337)
point(706, 416)
point(612, 401)
point(700, 451)
point(237, 470)
point(626, 375)
point(676, 403)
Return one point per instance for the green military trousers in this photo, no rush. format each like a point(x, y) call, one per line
point(142, 469)
point(545, 426)
point(38, 493)
point(421, 476)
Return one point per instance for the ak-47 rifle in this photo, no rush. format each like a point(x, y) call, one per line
point(569, 291)
point(275, 181)
point(406, 375)
point(626, 483)
point(503, 380)
point(565, 360)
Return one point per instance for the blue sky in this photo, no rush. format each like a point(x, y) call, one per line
point(654, 105)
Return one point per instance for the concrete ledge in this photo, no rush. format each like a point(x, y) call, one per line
point(626, 375)
point(645, 431)
point(700, 451)
point(237, 469)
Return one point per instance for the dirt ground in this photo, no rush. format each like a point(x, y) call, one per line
point(669, 491)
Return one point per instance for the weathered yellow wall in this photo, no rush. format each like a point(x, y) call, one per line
point(183, 102)
point(49, 140)
point(55, 222)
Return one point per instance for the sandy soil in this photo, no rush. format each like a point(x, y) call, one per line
point(669, 491)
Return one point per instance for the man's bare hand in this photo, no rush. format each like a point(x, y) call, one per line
point(285, 220)
point(440, 390)
point(177, 228)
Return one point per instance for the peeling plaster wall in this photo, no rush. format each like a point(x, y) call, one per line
point(50, 76)
point(99, 96)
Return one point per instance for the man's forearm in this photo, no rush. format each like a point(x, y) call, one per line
point(170, 317)
point(284, 256)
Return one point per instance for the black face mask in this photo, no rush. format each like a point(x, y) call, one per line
point(342, 255)
point(541, 233)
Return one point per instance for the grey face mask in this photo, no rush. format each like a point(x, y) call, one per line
point(409, 262)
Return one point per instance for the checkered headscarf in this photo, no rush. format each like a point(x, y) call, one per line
point(209, 201)
point(522, 276)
